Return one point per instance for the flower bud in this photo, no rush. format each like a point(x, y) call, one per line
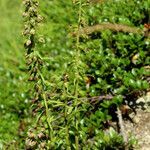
point(41, 40)
point(26, 32)
point(28, 42)
point(39, 18)
point(32, 31)
point(24, 14)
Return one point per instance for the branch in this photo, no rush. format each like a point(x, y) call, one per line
point(122, 129)
point(96, 1)
point(100, 98)
point(110, 26)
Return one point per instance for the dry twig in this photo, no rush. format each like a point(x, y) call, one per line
point(110, 26)
point(122, 129)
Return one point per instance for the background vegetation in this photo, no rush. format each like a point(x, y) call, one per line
point(12, 81)
point(82, 80)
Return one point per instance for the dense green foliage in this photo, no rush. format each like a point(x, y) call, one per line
point(80, 80)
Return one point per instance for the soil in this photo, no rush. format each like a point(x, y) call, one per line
point(139, 127)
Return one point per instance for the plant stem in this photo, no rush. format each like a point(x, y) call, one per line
point(77, 60)
point(121, 124)
point(47, 117)
point(66, 121)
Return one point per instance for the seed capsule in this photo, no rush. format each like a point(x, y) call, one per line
point(31, 135)
point(31, 79)
point(40, 135)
